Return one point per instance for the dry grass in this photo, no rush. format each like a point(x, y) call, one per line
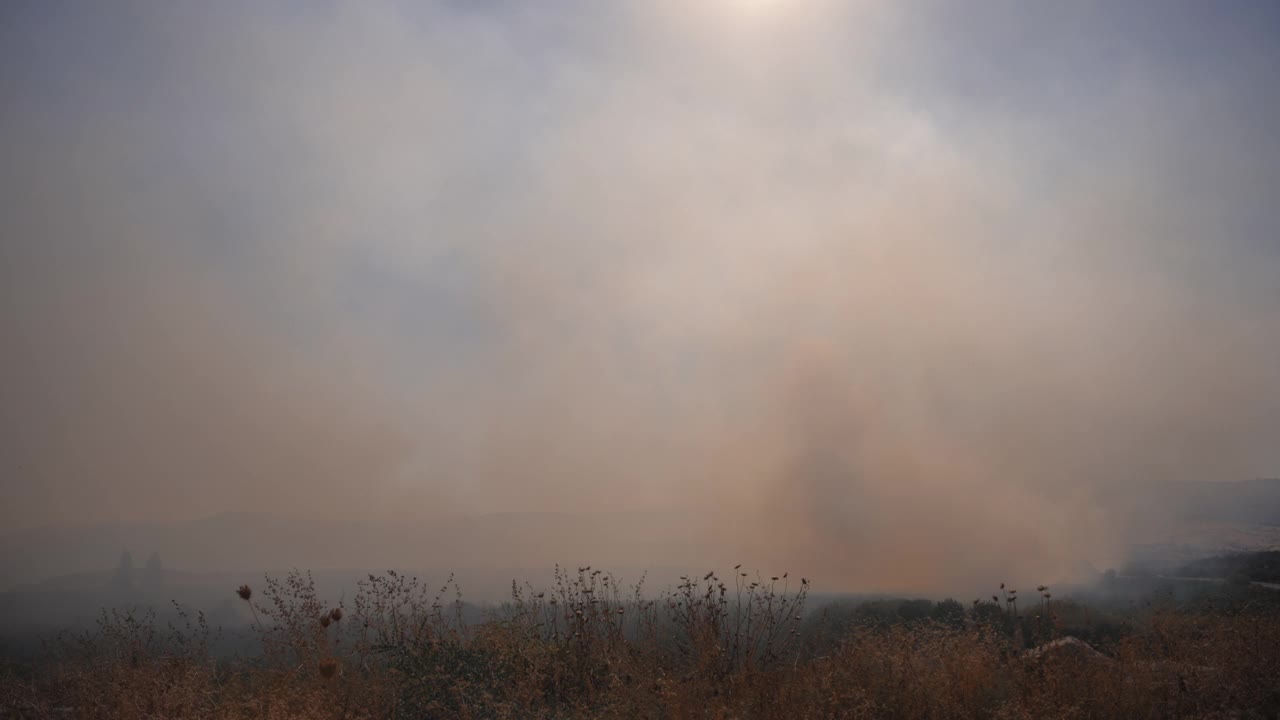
point(710, 648)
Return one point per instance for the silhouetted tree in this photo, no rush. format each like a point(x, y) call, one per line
point(949, 611)
point(987, 613)
point(913, 610)
point(124, 571)
point(154, 571)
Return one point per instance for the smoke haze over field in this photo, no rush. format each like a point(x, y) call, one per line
point(890, 291)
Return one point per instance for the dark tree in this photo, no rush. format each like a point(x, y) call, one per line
point(949, 611)
point(124, 571)
point(154, 571)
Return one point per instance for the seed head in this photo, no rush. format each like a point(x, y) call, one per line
point(244, 592)
point(336, 614)
point(324, 620)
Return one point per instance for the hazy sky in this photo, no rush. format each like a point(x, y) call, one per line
point(847, 275)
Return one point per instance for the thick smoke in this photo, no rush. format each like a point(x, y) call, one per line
point(860, 297)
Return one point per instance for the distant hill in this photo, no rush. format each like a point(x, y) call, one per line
point(1250, 501)
point(254, 543)
point(1173, 523)
point(1255, 566)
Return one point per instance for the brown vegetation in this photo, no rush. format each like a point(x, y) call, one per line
point(710, 648)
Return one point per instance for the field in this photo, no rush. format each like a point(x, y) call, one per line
point(742, 646)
